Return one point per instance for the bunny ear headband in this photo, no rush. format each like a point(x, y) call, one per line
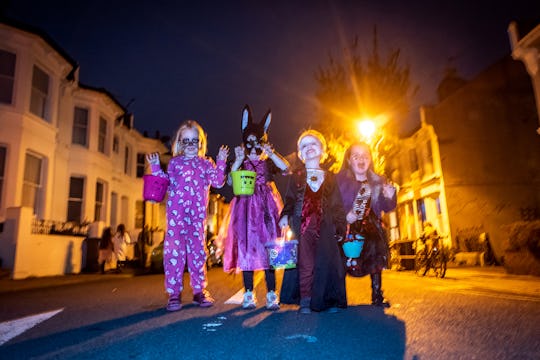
point(260, 130)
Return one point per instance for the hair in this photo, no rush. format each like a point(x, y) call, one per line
point(106, 238)
point(189, 124)
point(318, 136)
point(346, 167)
point(121, 228)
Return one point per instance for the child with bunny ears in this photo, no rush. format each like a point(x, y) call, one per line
point(190, 175)
point(254, 218)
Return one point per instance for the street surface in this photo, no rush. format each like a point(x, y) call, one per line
point(123, 317)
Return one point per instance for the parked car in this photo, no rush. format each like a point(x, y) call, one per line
point(156, 258)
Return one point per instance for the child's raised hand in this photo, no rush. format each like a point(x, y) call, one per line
point(223, 153)
point(153, 158)
point(268, 149)
point(240, 153)
point(388, 190)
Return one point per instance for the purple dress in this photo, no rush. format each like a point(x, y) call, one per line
point(252, 221)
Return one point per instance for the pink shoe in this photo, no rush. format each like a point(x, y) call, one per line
point(174, 304)
point(203, 299)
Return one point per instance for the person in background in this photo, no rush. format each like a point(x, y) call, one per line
point(106, 258)
point(365, 196)
point(314, 212)
point(254, 218)
point(122, 242)
point(190, 175)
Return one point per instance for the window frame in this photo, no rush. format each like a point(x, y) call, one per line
point(39, 95)
point(141, 164)
point(127, 160)
point(79, 130)
point(73, 200)
point(3, 164)
point(100, 201)
point(7, 76)
point(33, 189)
point(116, 144)
point(102, 135)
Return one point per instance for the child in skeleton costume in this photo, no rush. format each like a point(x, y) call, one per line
point(190, 175)
point(254, 218)
point(365, 196)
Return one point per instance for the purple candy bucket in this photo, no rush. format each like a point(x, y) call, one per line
point(155, 188)
point(282, 254)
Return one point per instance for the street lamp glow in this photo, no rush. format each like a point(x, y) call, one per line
point(366, 128)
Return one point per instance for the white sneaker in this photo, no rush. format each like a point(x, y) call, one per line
point(250, 301)
point(272, 301)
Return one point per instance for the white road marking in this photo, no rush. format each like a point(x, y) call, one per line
point(236, 298)
point(12, 328)
point(239, 296)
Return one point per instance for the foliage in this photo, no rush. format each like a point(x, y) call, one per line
point(522, 249)
point(523, 235)
point(351, 90)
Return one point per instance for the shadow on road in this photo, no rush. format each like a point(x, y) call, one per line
point(356, 332)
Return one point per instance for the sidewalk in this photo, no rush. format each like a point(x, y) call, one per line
point(487, 278)
point(9, 285)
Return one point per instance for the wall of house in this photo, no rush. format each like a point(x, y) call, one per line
point(36, 255)
point(489, 151)
point(421, 183)
point(50, 138)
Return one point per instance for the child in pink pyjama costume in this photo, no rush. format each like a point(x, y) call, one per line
point(190, 175)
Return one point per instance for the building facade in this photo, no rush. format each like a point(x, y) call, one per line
point(68, 151)
point(525, 43)
point(472, 167)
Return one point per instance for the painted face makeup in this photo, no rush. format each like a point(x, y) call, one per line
point(190, 143)
point(252, 143)
point(194, 142)
point(309, 148)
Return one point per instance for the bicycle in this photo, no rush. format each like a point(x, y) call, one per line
point(433, 258)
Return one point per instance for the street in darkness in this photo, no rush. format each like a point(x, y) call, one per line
point(470, 314)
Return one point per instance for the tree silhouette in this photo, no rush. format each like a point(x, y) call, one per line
point(350, 89)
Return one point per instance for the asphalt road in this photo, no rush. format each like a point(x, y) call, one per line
point(468, 315)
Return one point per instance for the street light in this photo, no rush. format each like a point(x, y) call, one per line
point(366, 128)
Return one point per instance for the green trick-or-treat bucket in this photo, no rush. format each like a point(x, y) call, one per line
point(243, 182)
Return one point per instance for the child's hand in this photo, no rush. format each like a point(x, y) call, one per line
point(283, 222)
point(153, 158)
point(268, 149)
point(240, 154)
point(223, 153)
point(388, 190)
point(351, 217)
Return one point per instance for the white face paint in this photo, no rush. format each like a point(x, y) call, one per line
point(189, 142)
point(310, 148)
point(359, 161)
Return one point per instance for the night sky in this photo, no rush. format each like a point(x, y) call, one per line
point(178, 60)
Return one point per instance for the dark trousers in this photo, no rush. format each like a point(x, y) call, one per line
point(306, 263)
